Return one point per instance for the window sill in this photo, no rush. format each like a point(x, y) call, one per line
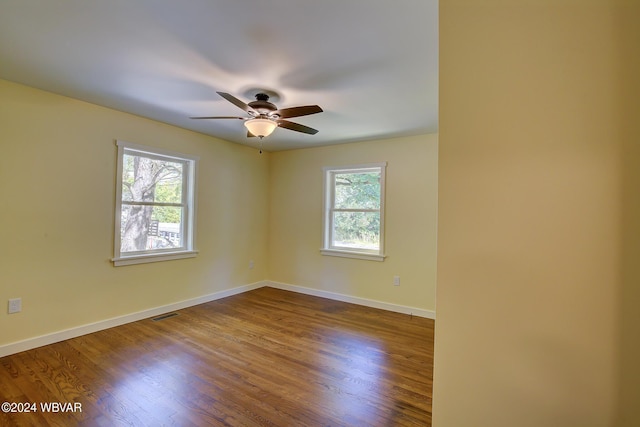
point(141, 259)
point(352, 254)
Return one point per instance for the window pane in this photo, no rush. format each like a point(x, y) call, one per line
point(356, 230)
point(151, 180)
point(357, 190)
point(150, 227)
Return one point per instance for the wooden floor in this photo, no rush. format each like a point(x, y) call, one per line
point(262, 358)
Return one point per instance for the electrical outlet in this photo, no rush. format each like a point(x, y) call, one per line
point(396, 280)
point(15, 305)
point(251, 265)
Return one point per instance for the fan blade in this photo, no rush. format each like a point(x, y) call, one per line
point(305, 110)
point(235, 101)
point(296, 126)
point(219, 117)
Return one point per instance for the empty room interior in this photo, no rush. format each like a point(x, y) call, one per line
point(252, 214)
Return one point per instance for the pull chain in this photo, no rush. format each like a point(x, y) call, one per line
point(261, 144)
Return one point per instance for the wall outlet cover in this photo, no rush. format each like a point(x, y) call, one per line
point(15, 305)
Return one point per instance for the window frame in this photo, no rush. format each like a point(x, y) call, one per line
point(188, 204)
point(329, 173)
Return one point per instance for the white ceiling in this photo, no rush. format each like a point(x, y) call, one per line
point(370, 64)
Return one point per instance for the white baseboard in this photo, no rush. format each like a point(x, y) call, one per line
point(66, 334)
point(429, 314)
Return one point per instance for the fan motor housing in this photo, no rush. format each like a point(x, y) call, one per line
point(262, 104)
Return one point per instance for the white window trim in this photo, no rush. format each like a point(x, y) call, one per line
point(188, 226)
point(327, 191)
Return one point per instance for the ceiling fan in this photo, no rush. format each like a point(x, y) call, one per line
point(264, 116)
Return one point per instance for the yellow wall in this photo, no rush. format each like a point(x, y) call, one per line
point(57, 184)
point(411, 206)
point(538, 228)
point(627, 34)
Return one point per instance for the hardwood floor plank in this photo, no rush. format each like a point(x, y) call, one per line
point(267, 357)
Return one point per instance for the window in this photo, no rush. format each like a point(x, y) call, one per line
point(354, 211)
point(155, 205)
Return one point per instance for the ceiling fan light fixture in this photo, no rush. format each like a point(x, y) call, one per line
point(261, 127)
